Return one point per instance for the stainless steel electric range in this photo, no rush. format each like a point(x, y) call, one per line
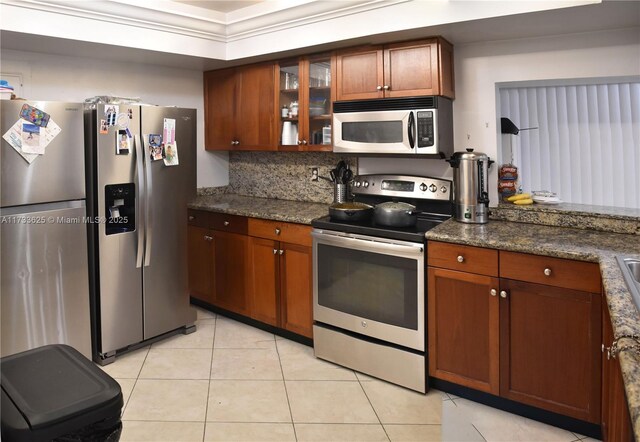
point(369, 289)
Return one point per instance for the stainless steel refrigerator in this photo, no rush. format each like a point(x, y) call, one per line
point(43, 259)
point(138, 247)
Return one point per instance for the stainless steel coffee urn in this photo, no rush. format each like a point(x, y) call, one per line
point(471, 188)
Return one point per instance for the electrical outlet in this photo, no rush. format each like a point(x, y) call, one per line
point(314, 174)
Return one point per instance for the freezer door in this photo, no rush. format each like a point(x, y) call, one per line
point(45, 287)
point(119, 267)
point(58, 175)
point(169, 188)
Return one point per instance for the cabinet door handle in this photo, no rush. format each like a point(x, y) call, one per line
point(503, 294)
point(278, 233)
point(460, 258)
point(275, 251)
point(226, 223)
point(299, 142)
point(547, 272)
point(494, 292)
point(385, 87)
point(281, 252)
point(208, 238)
point(304, 142)
point(191, 217)
point(379, 88)
point(233, 142)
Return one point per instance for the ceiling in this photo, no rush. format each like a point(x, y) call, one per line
point(589, 18)
point(222, 6)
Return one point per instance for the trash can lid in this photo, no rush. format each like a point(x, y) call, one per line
point(55, 383)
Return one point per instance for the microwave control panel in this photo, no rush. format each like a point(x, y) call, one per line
point(425, 129)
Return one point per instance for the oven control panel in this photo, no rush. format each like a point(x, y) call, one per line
point(403, 186)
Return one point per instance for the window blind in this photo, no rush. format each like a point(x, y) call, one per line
point(586, 147)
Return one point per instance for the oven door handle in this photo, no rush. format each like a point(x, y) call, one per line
point(375, 245)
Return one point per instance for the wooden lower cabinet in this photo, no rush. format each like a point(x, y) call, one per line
point(281, 290)
point(256, 268)
point(616, 422)
point(296, 290)
point(463, 329)
point(200, 263)
point(550, 348)
point(230, 261)
point(531, 343)
point(263, 280)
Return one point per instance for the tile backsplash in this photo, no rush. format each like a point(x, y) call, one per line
point(284, 175)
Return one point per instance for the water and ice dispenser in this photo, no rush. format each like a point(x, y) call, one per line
point(120, 208)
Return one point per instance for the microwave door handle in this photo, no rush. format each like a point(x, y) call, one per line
point(412, 130)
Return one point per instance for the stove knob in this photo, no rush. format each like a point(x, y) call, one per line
point(423, 187)
point(357, 184)
point(433, 188)
point(365, 184)
point(443, 189)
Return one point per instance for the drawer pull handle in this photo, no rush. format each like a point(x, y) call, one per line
point(503, 294)
point(547, 272)
point(460, 258)
point(278, 233)
point(191, 217)
point(226, 223)
point(378, 88)
point(494, 292)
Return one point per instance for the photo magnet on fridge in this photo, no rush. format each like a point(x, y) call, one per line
point(110, 113)
point(156, 148)
point(123, 143)
point(34, 115)
point(171, 154)
point(104, 128)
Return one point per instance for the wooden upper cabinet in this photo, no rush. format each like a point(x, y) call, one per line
point(305, 99)
point(397, 70)
point(220, 95)
point(360, 73)
point(239, 108)
point(255, 119)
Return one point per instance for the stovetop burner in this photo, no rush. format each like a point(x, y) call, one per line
point(432, 196)
point(370, 228)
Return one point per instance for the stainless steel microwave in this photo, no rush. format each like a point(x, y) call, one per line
point(397, 126)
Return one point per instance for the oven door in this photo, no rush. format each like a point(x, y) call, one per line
point(384, 132)
point(371, 286)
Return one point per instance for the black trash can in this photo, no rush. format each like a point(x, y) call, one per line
point(55, 393)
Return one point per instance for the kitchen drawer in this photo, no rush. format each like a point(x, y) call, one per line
point(280, 231)
point(228, 223)
point(578, 275)
point(462, 258)
point(198, 218)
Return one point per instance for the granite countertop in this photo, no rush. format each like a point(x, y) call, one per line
point(578, 244)
point(301, 212)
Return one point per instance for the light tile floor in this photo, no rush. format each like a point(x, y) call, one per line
point(232, 382)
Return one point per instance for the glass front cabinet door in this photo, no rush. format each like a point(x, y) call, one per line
point(305, 99)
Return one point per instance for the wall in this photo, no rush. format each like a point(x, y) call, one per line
point(478, 67)
point(63, 78)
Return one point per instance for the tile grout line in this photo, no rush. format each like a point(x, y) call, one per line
point(206, 406)
point(135, 382)
point(372, 407)
point(483, 438)
point(286, 392)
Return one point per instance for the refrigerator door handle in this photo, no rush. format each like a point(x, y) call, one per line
point(139, 152)
point(147, 215)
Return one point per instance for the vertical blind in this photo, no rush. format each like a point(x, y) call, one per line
point(586, 147)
